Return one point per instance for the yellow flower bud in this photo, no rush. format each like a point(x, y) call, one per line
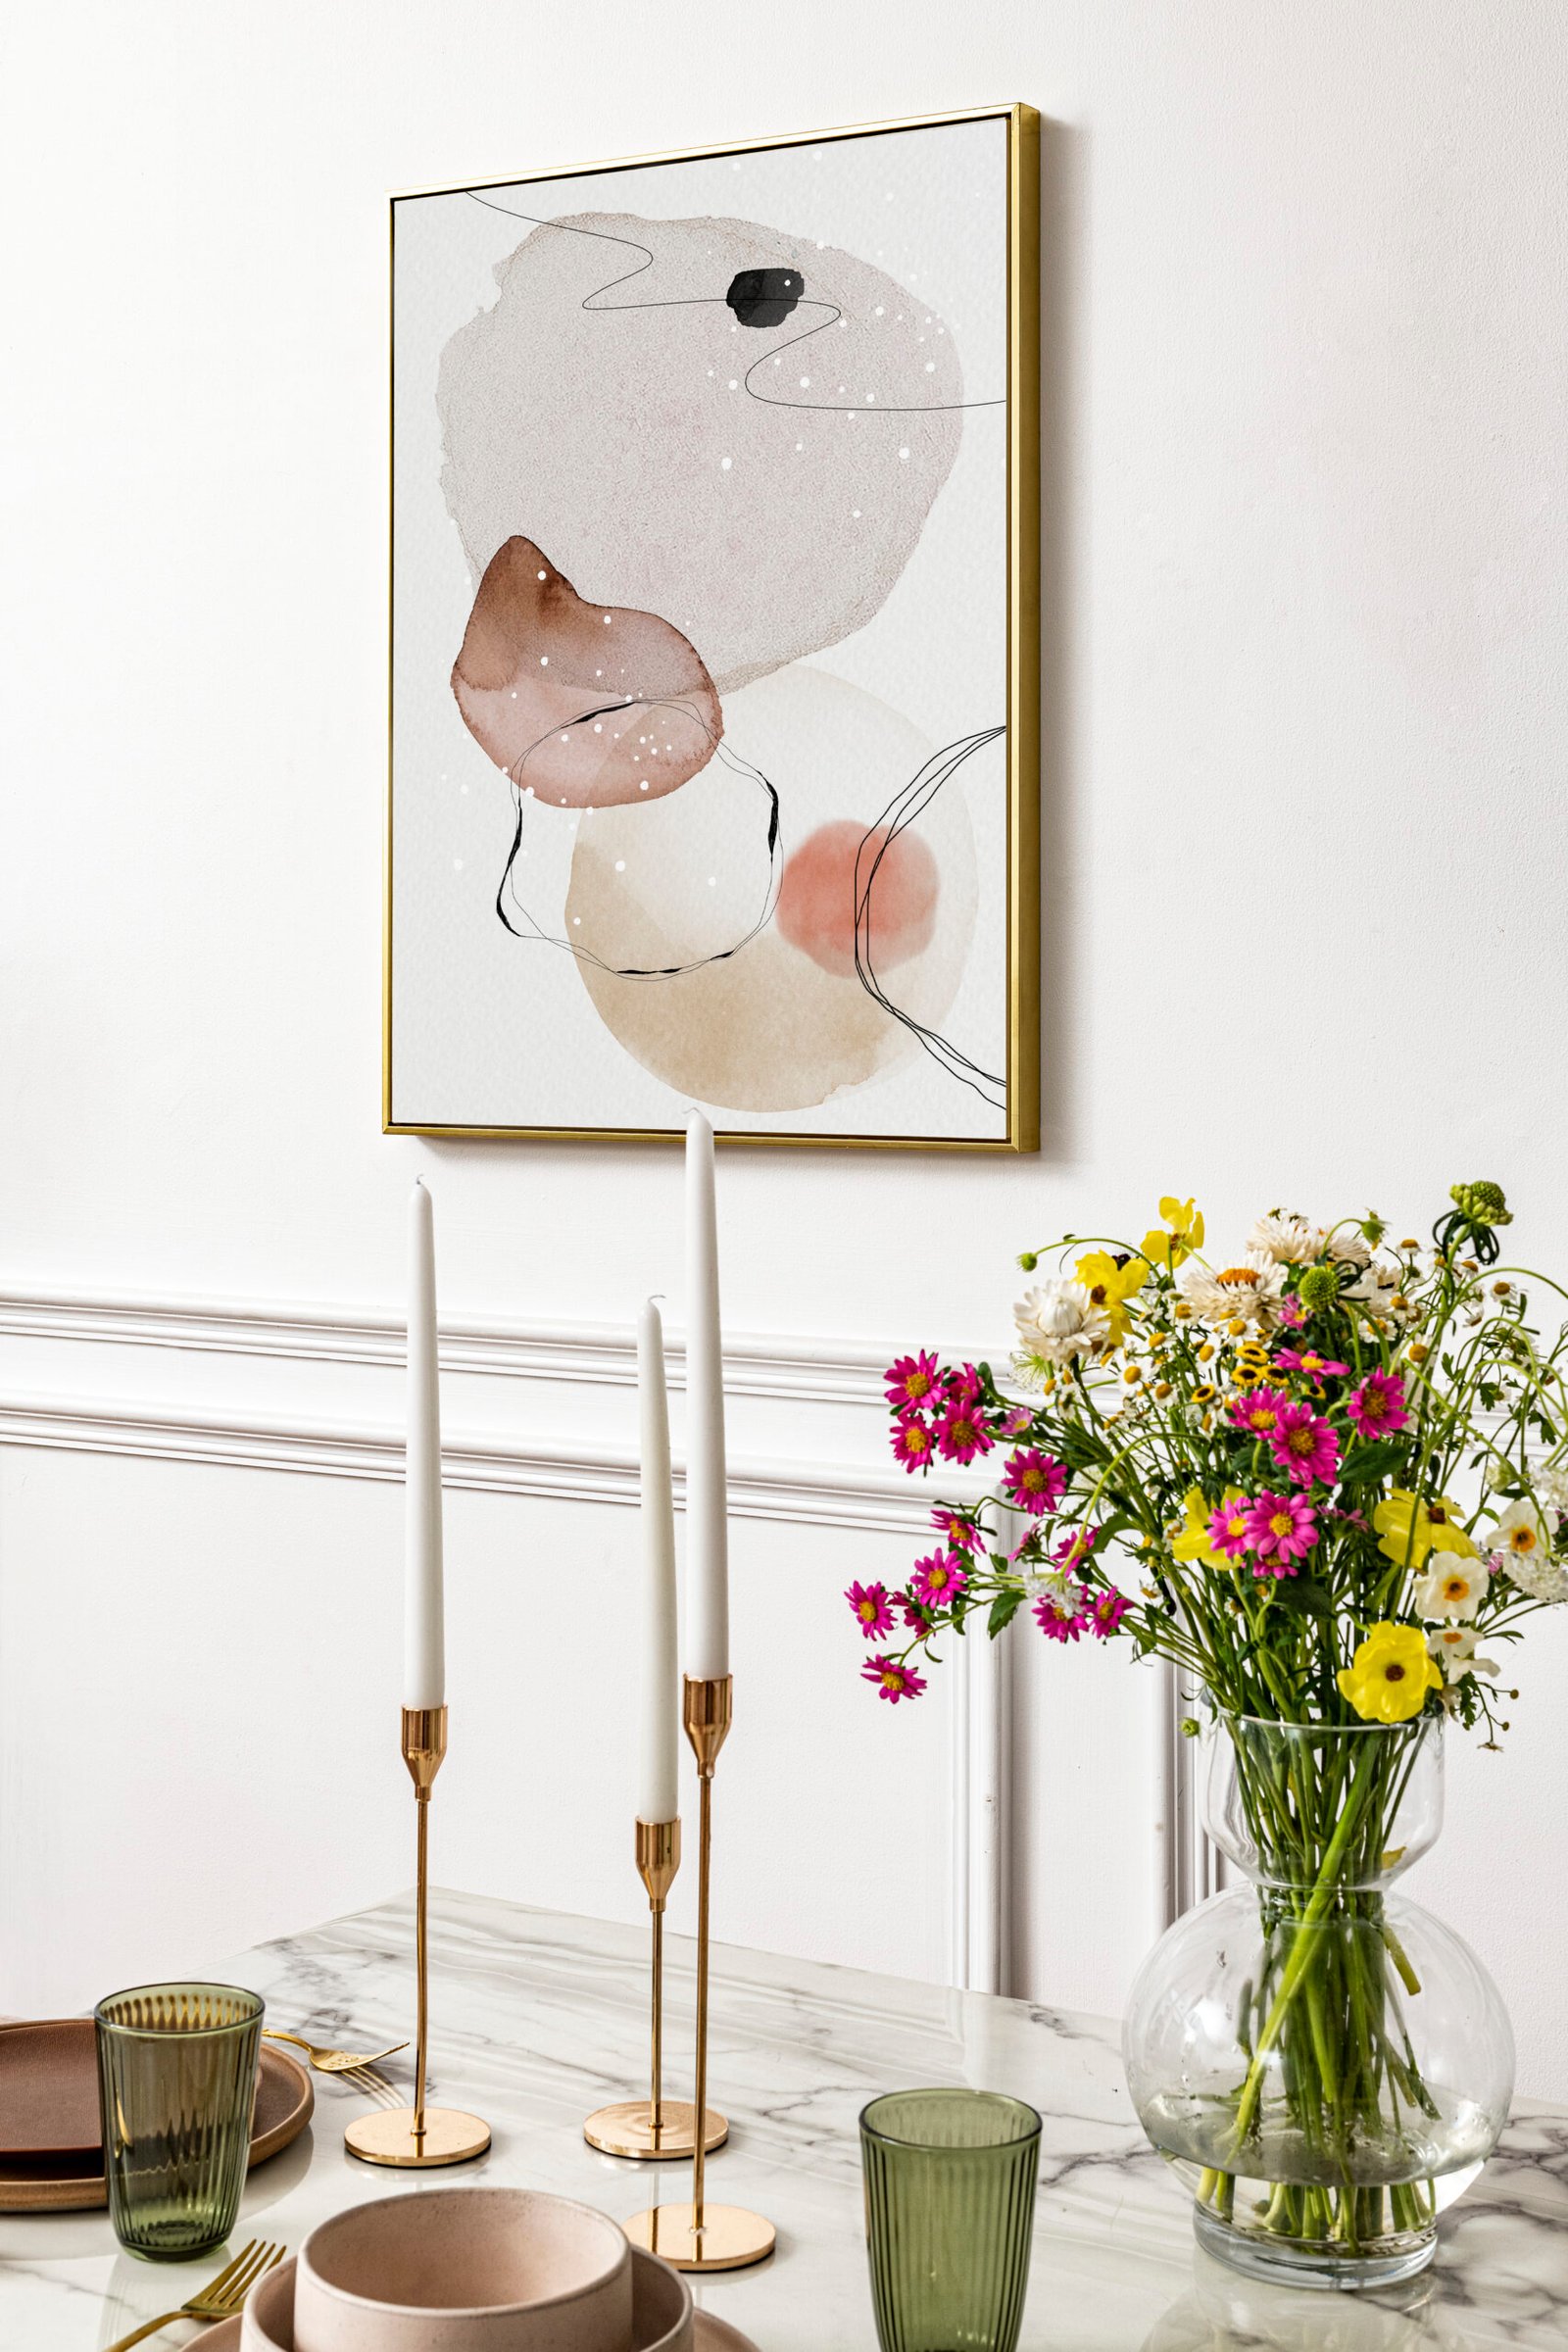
point(1205, 1353)
point(1162, 1389)
point(1418, 1351)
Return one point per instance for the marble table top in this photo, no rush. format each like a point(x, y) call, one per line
point(537, 2019)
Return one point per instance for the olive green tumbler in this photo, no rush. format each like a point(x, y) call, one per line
point(950, 2199)
point(177, 2083)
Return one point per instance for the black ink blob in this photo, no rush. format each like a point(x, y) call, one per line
point(765, 297)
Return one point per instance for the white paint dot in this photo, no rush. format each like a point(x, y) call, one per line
point(576, 920)
point(930, 367)
point(855, 513)
point(544, 575)
point(620, 865)
point(457, 863)
point(598, 727)
point(800, 444)
point(724, 464)
point(904, 452)
point(642, 784)
point(870, 396)
point(879, 310)
point(733, 386)
point(544, 660)
point(563, 739)
point(606, 621)
point(806, 384)
point(713, 881)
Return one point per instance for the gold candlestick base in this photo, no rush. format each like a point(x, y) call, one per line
point(729, 2239)
point(415, 2139)
point(388, 2136)
point(629, 2130)
point(700, 2237)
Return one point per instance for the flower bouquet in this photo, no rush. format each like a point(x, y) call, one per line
point(1315, 1480)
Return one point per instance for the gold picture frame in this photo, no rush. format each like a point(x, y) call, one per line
point(1023, 663)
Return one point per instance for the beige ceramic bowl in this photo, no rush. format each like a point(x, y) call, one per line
point(661, 2319)
point(464, 2269)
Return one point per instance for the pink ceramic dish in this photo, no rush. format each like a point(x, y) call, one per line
point(478, 2269)
point(663, 2319)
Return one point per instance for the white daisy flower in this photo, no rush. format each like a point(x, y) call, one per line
point(1542, 1579)
point(1455, 1648)
point(1521, 1534)
point(1249, 1292)
point(1378, 1284)
point(1348, 1247)
point(1290, 1241)
point(1452, 1588)
point(1060, 1320)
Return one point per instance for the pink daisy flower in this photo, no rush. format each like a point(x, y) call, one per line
point(1377, 1407)
point(1014, 1424)
point(938, 1580)
point(1280, 1530)
point(1258, 1412)
point(963, 1434)
point(1075, 1545)
point(1309, 1360)
point(962, 1384)
point(961, 1534)
point(912, 1442)
point(912, 1382)
point(914, 1617)
point(1306, 1446)
point(1034, 1481)
point(893, 1681)
point(1227, 1529)
point(870, 1606)
point(1291, 1313)
point(1058, 1620)
point(1106, 1613)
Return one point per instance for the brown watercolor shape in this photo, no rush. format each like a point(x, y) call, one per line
point(588, 706)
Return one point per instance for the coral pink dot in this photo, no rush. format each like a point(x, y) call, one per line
point(817, 897)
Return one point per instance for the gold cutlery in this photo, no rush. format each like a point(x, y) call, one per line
point(219, 2300)
point(332, 2061)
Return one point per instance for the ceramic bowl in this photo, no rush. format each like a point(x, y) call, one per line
point(464, 2269)
point(661, 2318)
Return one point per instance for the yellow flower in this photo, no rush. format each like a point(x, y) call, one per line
point(1186, 1232)
point(1411, 1529)
point(1390, 1674)
point(1109, 1286)
point(1192, 1543)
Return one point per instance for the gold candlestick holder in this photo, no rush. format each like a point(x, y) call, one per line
point(417, 2137)
point(700, 2237)
point(651, 2129)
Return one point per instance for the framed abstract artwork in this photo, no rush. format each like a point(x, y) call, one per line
point(715, 645)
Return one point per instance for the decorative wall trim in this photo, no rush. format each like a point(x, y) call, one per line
point(193, 1412)
point(785, 1369)
point(222, 1384)
point(805, 1494)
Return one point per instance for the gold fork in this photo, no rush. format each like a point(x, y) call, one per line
point(332, 2061)
point(220, 2298)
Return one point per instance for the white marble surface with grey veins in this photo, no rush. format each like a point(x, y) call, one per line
point(538, 2018)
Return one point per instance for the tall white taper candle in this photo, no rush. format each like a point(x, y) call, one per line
point(425, 1673)
point(658, 1795)
point(706, 1514)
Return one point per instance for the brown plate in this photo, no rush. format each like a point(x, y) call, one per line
point(49, 2101)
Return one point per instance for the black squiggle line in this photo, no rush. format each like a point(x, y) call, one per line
point(537, 936)
point(697, 302)
point(906, 805)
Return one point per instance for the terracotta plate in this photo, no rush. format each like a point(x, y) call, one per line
point(51, 2156)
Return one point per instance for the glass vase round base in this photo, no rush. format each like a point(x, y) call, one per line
point(1311, 2263)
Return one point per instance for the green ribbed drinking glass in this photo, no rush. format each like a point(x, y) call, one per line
point(177, 2083)
point(949, 2202)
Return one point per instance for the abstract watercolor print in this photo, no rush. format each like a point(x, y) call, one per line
point(711, 714)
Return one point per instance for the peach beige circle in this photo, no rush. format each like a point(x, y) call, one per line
point(768, 1028)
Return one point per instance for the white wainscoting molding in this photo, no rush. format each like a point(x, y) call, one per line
point(266, 1387)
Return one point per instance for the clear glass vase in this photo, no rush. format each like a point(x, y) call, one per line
point(1325, 2064)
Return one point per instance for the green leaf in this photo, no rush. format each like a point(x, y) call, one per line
point(1304, 1593)
point(1366, 1463)
point(1003, 1609)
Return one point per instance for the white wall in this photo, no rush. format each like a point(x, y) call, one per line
point(1305, 473)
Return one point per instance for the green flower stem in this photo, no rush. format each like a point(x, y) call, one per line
point(1301, 1948)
